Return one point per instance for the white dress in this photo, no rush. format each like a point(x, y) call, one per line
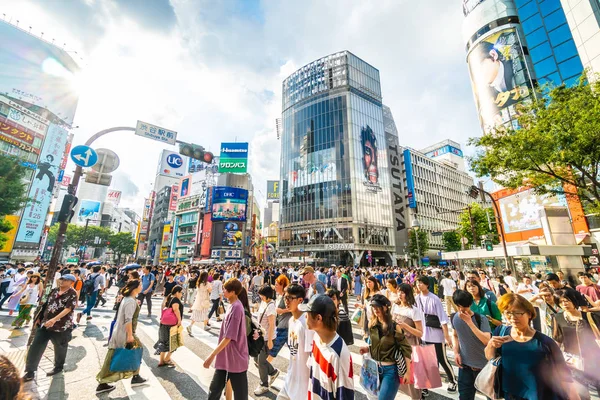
point(202, 302)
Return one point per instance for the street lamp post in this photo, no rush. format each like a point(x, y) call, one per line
point(415, 225)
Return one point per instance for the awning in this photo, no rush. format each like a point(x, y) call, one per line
point(521, 250)
point(581, 237)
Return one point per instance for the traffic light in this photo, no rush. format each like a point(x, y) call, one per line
point(196, 152)
point(489, 246)
point(66, 210)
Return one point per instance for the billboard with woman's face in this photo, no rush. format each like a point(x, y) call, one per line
point(500, 78)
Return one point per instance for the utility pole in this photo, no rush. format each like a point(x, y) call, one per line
point(84, 239)
point(473, 230)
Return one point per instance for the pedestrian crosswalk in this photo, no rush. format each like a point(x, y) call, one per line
point(189, 379)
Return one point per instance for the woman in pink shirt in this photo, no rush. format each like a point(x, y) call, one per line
point(231, 354)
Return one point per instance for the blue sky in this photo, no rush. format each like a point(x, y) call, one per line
point(212, 70)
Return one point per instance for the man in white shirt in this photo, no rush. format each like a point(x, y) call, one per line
point(4, 286)
point(510, 280)
point(299, 341)
point(526, 288)
point(449, 287)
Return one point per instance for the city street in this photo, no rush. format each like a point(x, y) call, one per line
point(189, 380)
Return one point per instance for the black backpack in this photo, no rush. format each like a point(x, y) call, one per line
point(89, 284)
point(254, 345)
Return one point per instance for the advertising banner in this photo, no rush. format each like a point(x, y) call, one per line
point(37, 72)
point(89, 209)
point(146, 211)
point(234, 158)
point(397, 192)
point(10, 235)
point(313, 168)
point(174, 241)
point(229, 204)
point(197, 166)
point(172, 164)
point(174, 197)
point(445, 150)
point(184, 187)
point(66, 180)
point(198, 182)
point(273, 189)
point(410, 182)
point(19, 119)
point(227, 234)
point(521, 211)
point(114, 197)
point(42, 186)
point(500, 78)
point(11, 129)
point(370, 159)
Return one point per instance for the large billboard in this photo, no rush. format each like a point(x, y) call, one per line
point(197, 166)
point(172, 164)
point(37, 72)
point(229, 204)
point(234, 158)
point(273, 190)
point(521, 211)
point(313, 168)
point(228, 234)
point(89, 209)
point(500, 78)
point(40, 194)
point(13, 220)
point(369, 158)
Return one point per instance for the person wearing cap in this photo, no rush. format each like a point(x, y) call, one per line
point(330, 355)
point(386, 338)
point(315, 286)
point(55, 325)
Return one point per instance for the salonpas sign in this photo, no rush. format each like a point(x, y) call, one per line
point(234, 158)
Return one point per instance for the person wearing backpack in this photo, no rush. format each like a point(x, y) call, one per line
point(470, 336)
point(92, 285)
point(482, 305)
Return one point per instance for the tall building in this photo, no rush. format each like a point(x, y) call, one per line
point(160, 217)
point(335, 183)
point(583, 17)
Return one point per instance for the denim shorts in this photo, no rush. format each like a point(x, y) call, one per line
point(280, 339)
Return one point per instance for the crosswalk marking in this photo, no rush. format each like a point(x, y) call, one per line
point(152, 389)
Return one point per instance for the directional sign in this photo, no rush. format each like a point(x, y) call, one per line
point(84, 156)
point(155, 133)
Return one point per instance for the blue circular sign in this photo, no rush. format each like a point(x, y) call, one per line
point(174, 160)
point(84, 156)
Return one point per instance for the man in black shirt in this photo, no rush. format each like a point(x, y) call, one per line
point(169, 285)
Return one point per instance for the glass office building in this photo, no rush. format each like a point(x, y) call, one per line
point(335, 185)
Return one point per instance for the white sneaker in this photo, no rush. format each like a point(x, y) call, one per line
point(273, 377)
point(259, 391)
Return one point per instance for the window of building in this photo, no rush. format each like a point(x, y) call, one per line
point(555, 19)
point(531, 25)
point(537, 37)
point(545, 67)
point(549, 6)
point(528, 10)
point(560, 35)
point(571, 67)
point(565, 51)
point(541, 52)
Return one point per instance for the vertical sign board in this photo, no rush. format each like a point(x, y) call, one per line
point(174, 235)
point(272, 190)
point(114, 197)
point(40, 194)
point(174, 197)
point(234, 158)
point(397, 192)
point(410, 182)
point(10, 235)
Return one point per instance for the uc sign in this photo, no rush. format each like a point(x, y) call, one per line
point(174, 161)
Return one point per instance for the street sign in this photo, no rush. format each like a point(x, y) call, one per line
point(73, 260)
point(437, 233)
point(108, 161)
point(155, 133)
point(84, 156)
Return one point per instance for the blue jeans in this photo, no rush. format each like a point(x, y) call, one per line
point(90, 302)
point(388, 375)
point(466, 382)
point(280, 340)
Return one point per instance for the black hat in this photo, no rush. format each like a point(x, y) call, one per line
point(320, 304)
point(380, 300)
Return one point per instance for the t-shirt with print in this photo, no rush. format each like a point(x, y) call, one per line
point(56, 304)
point(331, 371)
point(472, 350)
point(234, 357)
point(300, 340)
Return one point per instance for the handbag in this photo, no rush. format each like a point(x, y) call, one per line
point(489, 380)
point(399, 358)
point(25, 298)
point(369, 376)
point(124, 360)
point(431, 320)
point(356, 315)
point(221, 308)
point(175, 338)
point(426, 372)
point(167, 316)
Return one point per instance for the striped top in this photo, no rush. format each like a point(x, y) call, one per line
point(331, 373)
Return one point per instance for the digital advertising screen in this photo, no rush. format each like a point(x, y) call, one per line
point(500, 78)
point(229, 204)
point(229, 234)
point(521, 211)
point(313, 168)
point(89, 209)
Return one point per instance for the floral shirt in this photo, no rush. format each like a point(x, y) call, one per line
point(56, 304)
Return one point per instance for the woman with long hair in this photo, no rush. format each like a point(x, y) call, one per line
point(391, 291)
point(122, 336)
point(29, 295)
point(386, 338)
point(162, 346)
point(283, 317)
point(409, 318)
point(266, 312)
point(358, 283)
point(482, 305)
point(371, 288)
point(344, 328)
point(201, 303)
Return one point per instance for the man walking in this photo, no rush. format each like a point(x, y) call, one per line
point(342, 287)
point(55, 325)
point(148, 280)
point(316, 287)
point(92, 286)
point(6, 278)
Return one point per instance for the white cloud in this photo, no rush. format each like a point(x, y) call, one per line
point(213, 72)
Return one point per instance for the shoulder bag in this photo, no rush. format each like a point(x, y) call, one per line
point(431, 320)
point(399, 358)
point(168, 317)
point(489, 380)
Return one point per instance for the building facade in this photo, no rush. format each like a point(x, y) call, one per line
point(583, 17)
point(335, 184)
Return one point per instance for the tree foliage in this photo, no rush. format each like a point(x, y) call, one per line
point(121, 243)
point(481, 223)
point(419, 251)
point(75, 235)
point(452, 241)
point(12, 191)
point(556, 148)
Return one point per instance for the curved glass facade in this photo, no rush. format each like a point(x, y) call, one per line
point(335, 185)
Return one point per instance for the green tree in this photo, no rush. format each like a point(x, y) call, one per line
point(481, 222)
point(12, 192)
point(452, 241)
point(77, 235)
point(417, 252)
point(556, 148)
point(121, 243)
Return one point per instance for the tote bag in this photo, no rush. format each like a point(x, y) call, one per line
point(425, 366)
point(125, 360)
point(369, 376)
point(489, 380)
point(175, 338)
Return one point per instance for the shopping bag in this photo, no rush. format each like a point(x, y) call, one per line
point(425, 366)
point(369, 376)
point(489, 380)
point(125, 360)
point(175, 338)
point(410, 378)
point(221, 308)
point(356, 315)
